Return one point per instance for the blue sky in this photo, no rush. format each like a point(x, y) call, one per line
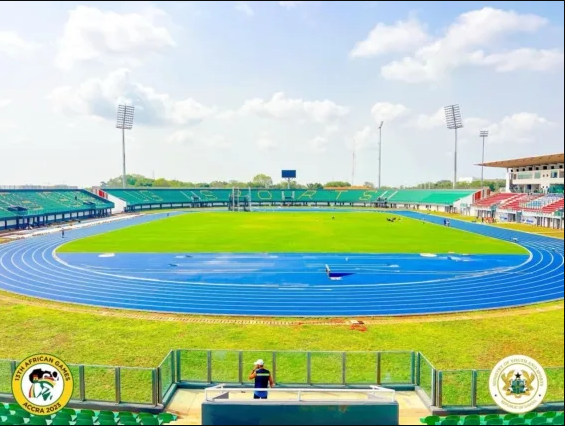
point(227, 90)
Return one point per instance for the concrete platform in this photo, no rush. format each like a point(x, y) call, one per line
point(187, 404)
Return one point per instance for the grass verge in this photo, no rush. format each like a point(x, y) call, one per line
point(555, 233)
point(93, 338)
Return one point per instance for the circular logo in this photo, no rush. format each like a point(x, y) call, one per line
point(518, 384)
point(42, 384)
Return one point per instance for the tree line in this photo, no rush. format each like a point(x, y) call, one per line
point(264, 181)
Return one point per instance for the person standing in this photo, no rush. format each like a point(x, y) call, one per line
point(263, 379)
point(62, 233)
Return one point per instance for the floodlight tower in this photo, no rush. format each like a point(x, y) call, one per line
point(124, 121)
point(454, 122)
point(353, 164)
point(483, 134)
point(380, 151)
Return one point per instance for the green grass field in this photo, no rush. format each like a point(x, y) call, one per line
point(289, 232)
point(475, 341)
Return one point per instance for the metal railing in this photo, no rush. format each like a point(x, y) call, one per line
point(154, 387)
point(298, 368)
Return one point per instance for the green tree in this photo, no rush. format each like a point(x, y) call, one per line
point(314, 186)
point(337, 184)
point(262, 181)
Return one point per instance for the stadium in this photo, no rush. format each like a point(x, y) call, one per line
point(341, 259)
point(251, 283)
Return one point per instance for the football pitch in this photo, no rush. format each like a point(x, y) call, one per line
point(290, 232)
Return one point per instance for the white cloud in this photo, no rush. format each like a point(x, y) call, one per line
point(290, 4)
point(216, 141)
point(182, 137)
point(265, 143)
point(527, 59)
point(280, 107)
point(5, 102)
point(99, 98)
point(402, 36)
point(465, 42)
point(91, 34)
point(516, 128)
point(364, 138)
point(13, 45)
point(318, 144)
point(332, 129)
point(426, 122)
point(386, 111)
point(244, 8)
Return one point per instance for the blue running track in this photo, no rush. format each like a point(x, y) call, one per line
point(278, 284)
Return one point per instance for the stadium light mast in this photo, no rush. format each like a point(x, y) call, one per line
point(124, 121)
point(454, 122)
point(380, 151)
point(353, 165)
point(483, 134)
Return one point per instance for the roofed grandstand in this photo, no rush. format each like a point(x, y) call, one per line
point(22, 208)
point(534, 192)
point(137, 199)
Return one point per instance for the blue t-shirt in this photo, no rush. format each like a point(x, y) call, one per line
point(262, 381)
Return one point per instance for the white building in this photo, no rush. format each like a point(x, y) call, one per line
point(533, 174)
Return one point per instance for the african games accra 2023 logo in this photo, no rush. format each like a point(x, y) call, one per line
point(42, 384)
point(518, 384)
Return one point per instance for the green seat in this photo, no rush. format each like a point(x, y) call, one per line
point(69, 411)
point(4, 412)
point(81, 415)
point(150, 421)
point(144, 415)
point(106, 413)
point(495, 422)
point(84, 422)
point(530, 416)
point(22, 413)
point(166, 417)
point(91, 413)
point(549, 414)
point(430, 420)
point(510, 416)
point(128, 421)
point(517, 421)
point(473, 421)
point(37, 421)
point(539, 421)
point(557, 420)
point(107, 421)
point(60, 420)
point(491, 416)
point(14, 406)
point(14, 420)
point(63, 415)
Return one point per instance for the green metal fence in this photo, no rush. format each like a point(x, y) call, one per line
point(470, 388)
point(153, 387)
point(298, 368)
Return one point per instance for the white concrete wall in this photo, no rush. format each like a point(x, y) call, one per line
point(119, 204)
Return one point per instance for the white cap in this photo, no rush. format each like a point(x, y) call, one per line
point(259, 362)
